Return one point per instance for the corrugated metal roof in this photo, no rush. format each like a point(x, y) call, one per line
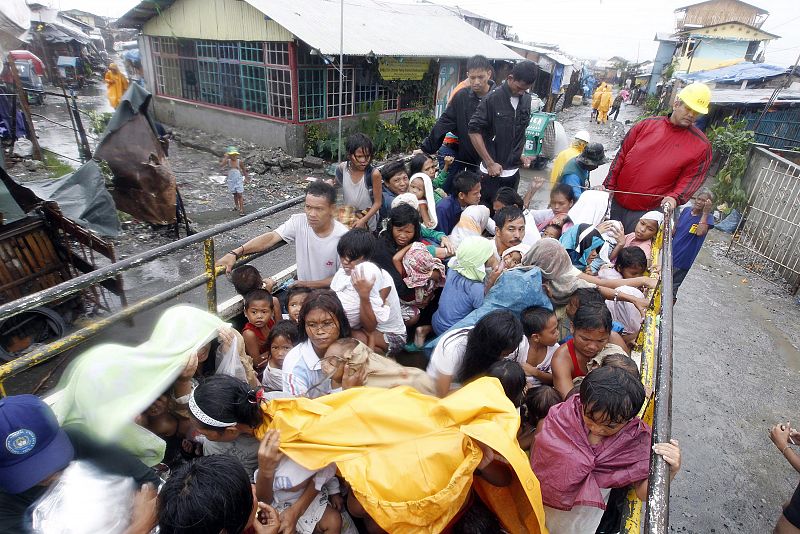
point(752, 96)
point(382, 28)
point(734, 73)
point(666, 36)
point(555, 56)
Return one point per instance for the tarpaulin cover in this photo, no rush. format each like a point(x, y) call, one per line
point(734, 73)
point(8, 205)
point(38, 65)
point(410, 457)
point(144, 184)
point(82, 198)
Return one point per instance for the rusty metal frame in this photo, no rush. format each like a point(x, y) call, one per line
point(75, 285)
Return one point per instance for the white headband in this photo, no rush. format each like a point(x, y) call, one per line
point(201, 416)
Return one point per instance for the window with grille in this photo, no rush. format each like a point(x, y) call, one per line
point(333, 92)
point(246, 75)
point(311, 88)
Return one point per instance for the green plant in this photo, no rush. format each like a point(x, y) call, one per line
point(731, 143)
point(55, 166)
point(321, 143)
point(99, 121)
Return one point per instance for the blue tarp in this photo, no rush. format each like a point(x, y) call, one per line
point(734, 73)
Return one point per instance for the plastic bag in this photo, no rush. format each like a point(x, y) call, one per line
point(229, 363)
point(85, 500)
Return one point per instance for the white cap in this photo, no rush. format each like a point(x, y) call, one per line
point(583, 135)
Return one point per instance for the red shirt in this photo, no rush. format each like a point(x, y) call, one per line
point(660, 158)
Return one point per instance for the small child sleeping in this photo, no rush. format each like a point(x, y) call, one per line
point(382, 372)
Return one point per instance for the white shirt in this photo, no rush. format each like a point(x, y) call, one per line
point(449, 353)
point(505, 173)
point(532, 234)
point(302, 373)
point(316, 256)
point(544, 365)
point(342, 285)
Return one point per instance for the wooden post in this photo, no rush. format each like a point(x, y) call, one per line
point(26, 112)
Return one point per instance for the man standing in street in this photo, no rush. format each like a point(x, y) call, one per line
point(579, 142)
point(456, 118)
point(662, 160)
point(576, 171)
point(497, 131)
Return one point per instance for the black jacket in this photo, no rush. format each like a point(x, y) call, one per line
point(455, 119)
point(502, 126)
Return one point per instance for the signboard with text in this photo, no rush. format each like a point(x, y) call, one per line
point(406, 68)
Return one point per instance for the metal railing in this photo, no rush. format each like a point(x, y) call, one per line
point(655, 346)
point(77, 284)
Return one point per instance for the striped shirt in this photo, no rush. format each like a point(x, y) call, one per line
point(303, 375)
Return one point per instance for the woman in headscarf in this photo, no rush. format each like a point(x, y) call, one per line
point(116, 84)
point(561, 279)
point(583, 243)
point(467, 282)
point(474, 220)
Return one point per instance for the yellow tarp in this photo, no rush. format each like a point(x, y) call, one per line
point(410, 457)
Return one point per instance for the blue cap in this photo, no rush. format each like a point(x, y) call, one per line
point(32, 445)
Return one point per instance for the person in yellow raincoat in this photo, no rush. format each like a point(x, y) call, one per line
point(596, 100)
point(117, 84)
point(579, 142)
point(605, 105)
point(410, 459)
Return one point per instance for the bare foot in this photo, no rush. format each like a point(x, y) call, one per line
point(421, 333)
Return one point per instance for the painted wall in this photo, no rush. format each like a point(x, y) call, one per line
point(713, 54)
point(663, 58)
point(731, 31)
point(221, 20)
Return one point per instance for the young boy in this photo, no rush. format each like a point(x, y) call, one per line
point(540, 327)
point(583, 297)
point(552, 230)
point(368, 294)
point(689, 234)
point(237, 177)
point(395, 182)
point(591, 330)
point(246, 278)
point(591, 443)
point(260, 319)
point(466, 192)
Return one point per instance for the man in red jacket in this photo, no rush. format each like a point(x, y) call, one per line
point(666, 158)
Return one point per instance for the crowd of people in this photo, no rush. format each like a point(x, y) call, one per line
point(304, 419)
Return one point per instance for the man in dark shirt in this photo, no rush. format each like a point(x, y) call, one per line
point(497, 131)
point(456, 116)
point(35, 451)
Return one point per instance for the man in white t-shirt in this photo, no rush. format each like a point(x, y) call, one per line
point(315, 234)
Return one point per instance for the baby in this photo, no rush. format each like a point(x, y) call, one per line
point(552, 230)
point(512, 256)
point(421, 187)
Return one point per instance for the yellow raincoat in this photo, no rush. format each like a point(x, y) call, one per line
point(596, 96)
point(117, 84)
point(410, 457)
point(605, 105)
point(558, 164)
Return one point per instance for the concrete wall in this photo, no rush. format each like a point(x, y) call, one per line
point(226, 122)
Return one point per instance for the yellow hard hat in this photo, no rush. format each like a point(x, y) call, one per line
point(697, 96)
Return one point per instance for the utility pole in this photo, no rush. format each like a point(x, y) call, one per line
point(26, 111)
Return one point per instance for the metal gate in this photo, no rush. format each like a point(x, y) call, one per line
point(767, 240)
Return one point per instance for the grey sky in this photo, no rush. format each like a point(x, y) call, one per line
point(586, 28)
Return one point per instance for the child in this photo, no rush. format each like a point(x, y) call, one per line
point(382, 372)
point(591, 329)
point(540, 327)
point(552, 230)
point(537, 403)
point(237, 177)
point(368, 294)
point(424, 274)
point(591, 443)
point(246, 278)
point(512, 256)
point(511, 377)
point(260, 319)
point(689, 234)
point(395, 182)
point(427, 164)
point(642, 236)
point(295, 297)
point(562, 198)
point(420, 185)
point(360, 182)
point(631, 263)
point(466, 192)
point(282, 338)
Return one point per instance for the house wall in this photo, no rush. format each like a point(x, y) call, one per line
point(220, 20)
point(713, 54)
point(663, 58)
point(731, 31)
point(720, 11)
